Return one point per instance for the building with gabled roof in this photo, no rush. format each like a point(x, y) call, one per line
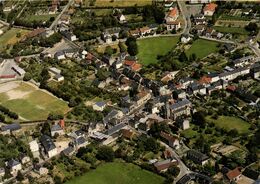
point(49, 146)
point(209, 9)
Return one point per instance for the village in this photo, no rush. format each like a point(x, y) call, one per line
point(74, 97)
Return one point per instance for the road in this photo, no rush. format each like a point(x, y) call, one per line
point(186, 16)
point(55, 22)
point(183, 168)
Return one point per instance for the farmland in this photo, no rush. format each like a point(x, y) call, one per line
point(29, 102)
point(120, 173)
point(118, 3)
point(150, 48)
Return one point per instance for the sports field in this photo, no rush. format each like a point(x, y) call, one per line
point(118, 173)
point(30, 102)
point(202, 48)
point(10, 37)
point(150, 48)
point(230, 123)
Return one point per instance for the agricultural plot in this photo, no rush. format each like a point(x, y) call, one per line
point(29, 102)
point(117, 3)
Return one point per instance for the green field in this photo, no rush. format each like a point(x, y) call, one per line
point(29, 102)
point(150, 48)
point(118, 173)
point(10, 38)
point(202, 48)
point(230, 123)
point(232, 30)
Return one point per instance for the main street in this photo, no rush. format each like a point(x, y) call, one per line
point(186, 16)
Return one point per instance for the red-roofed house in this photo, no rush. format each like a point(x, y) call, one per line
point(234, 175)
point(136, 67)
point(231, 88)
point(210, 9)
point(172, 15)
point(145, 30)
point(175, 25)
point(205, 80)
point(129, 62)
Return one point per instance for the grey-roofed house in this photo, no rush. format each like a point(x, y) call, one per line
point(18, 70)
point(81, 142)
point(179, 108)
point(14, 166)
point(113, 116)
point(11, 128)
point(56, 129)
point(68, 151)
point(59, 55)
point(197, 157)
point(99, 106)
point(255, 71)
point(115, 129)
point(243, 61)
point(48, 146)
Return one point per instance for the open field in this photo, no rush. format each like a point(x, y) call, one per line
point(29, 102)
point(118, 173)
point(9, 37)
point(202, 48)
point(150, 48)
point(119, 3)
point(230, 123)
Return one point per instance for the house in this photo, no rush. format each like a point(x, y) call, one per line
point(154, 105)
point(59, 55)
point(115, 129)
point(185, 82)
point(199, 1)
point(41, 170)
point(2, 172)
point(24, 158)
point(168, 154)
point(234, 175)
point(56, 130)
point(18, 70)
point(134, 32)
point(168, 3)
point(58, 78)
point(70, 36)
point(231, 75)
point(121, 18)
point(182, 107)
point(34, 147)
point(142, 97)
point(185, 38)
point(172, 15)
point(64, 19)
point(14, 166)
point(163, 166)
point(81, 142)
point(145, 30)
point(209, 32)
point(70, 53)
point(179, 94)
point(69, 151)
point(240, 62)
point(209, 9)
point(255, 71)
point(35, 33)
point(175, 25)
point(252, 174)
point(10, 128)
point(200, 19)
point(48, 145)
point(115, 115)
point(127, 133)
point(146, 121)
point(229, 48)
point(54, 70)
point(199, 29)
point(214, 77)
point(173, 141)
point(183, 123)
point(197, 157)
point(99, 106)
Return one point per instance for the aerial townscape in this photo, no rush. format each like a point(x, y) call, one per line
point(129, 92)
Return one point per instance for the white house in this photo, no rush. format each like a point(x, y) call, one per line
point(59, 77)
point(175, 25)
point(99, 106)
point(59, 55)
point(185, 38)
point(172, 15)
point(173, 141)
point(121, 18)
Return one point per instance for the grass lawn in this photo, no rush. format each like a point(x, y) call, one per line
point(10, 38)
point(230, 123)
point(150, 48)
point(118, 173)
point(31, 103)
point(232, 30)
point(202, 48)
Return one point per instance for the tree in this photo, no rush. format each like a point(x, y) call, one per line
point(252, 27)
point(183, 57)
point(19, 176)
point(105, 153)
point(109, 51)
point(132, 48)
point(174, 171)
point(150, 144)
point(46, 128)
point(198, 118)
point(122, 47)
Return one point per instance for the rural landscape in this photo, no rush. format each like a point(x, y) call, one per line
point(129, 92)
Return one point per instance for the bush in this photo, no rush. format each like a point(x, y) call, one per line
point(105, 153)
